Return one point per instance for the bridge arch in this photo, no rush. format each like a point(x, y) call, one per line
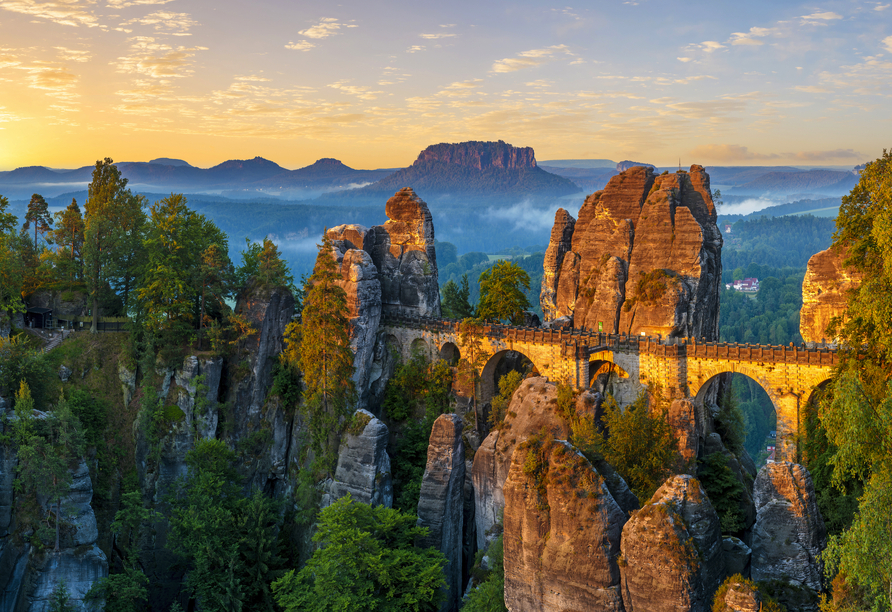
point(603, 373)
point(495, 368)
point(421, 347)
point(450, 353)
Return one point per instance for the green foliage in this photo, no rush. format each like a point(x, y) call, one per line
point(38, 214)
point(566, 401)
point(366, 560)
point(263, 263)
point(759, 415)
point(508, 384)
point(286, 384)
point(767, 603)
point(651, 287)
point(60, 599)
point(724, 491)
point(501, 297)
point(417, 393)
point(640, 445)
point(729, 422)
point(326, 358)
point(772, 317)
point(228, 540)
point(489, 594)
point(775, 242)
point(455, 299)
point(19, 361)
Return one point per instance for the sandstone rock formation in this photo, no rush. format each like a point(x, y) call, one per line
point(363, 288)
point(741, 596)
point(363, 464)
point(441, 504)
point(562, 532)
point(824, 289)
point(645, 256)
point(558, 246)
point(403, 252)
point(672, 551)
point(471, 154)
point(737, 556)
point(688, 427)
point(789, 534)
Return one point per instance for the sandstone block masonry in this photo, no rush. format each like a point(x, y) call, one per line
point(644, 256)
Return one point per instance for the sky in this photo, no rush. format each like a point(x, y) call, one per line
point(372, 84)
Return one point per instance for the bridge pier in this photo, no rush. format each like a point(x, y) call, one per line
point(787, 442)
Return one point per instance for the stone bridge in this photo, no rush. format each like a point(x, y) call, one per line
point(625, 364)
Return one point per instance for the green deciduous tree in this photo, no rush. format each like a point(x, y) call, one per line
point(326, 358)
point(857, 415)
point(262, 262)
point(502, 294)
point(455, 302)
point(38, 214)
point(366, 560)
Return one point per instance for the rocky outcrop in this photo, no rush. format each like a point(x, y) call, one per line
point(789, 534)
point(686, 424)
point(824, 292)
point(363, 288)
point(363, 463)
point(479, 155)
point(403, 253)
point(8, 462)
point(79, 568)
point(737, 556)
point(71, 303)
point(558, 246)
point(741, 596)
point(562, 532)
point(441, 505)
point(672, 551)
point(645, 257)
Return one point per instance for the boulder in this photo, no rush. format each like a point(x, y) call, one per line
point(741, 596)
point(789, 534)
point(64, 373)
point(562, 532)
point(363, 463)
point(737, 557)
point(645, 256)
point(672, 551)
point(824, 289)
point(403, 252)
point(441, 504)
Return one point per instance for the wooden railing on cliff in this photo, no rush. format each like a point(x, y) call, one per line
point(576, 342)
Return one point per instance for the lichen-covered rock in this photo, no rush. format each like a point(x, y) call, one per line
point(645, 256)
point(441, 504)
point(403, 252)
point(672, 551)
point(80, 568)
point(363, 463)
point(789, 533)
point(558, 246)
point(824, 289)
point(562, 532)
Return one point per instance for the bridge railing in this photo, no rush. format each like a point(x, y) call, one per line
point(580, 341)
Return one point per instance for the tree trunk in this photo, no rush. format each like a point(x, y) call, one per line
point(58, 515)
point(95, 326)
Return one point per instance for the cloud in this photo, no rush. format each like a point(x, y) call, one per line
point(8, 58)
point(746, 207)
point(684, 59)
point(820, 18)
point(129, 3)
point(750, 38)
point(522, 216)
point(157, 60)
point(438, 35)
point(164, 20)
point(363, 93)
point(253, 79)
point(530, 59)
point(6, 117)
point(709, 46)
point(821, 156)
point(811, 89)
point(881, 7)
point(328, 26)
point(73, 55)
point(63, 12)
point(415, 49)
point(887, 42)
point(728, 153)
point(301, 45)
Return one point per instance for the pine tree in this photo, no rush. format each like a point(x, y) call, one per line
point(69, 235)
point(216, 281)
point(456, 299)
point(326, 358)
point(38, 214)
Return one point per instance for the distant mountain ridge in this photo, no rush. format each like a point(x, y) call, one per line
point(473, 167)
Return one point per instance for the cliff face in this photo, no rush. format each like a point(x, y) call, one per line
point(479, 155)
point(562, 533)
point(645, 256)
point(824, 289)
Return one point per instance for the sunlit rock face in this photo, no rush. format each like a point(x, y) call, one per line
point(403, 253)
point(824, 289)
point(789, 534)
point(645, 256)
point(562, 533)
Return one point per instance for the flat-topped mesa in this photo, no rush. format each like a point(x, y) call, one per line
point(824, 293)
point(644, 257)
point(480, 155)
point(403, 252)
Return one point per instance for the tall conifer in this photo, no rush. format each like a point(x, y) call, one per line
point(326, 358)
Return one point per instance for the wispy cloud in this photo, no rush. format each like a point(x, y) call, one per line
point(530, 59)
point(438, 35)
point(750, 38)
point(73, 55)
point(129, 3)
point(729, 153)
point(825, 156)
point(363, 93)
point(160, 61)
point(887, 43)
point(328, 26)
point(811, 89)
point(177, 23)
point(881, 7)
point(63, 12)
point(709, 46)
point(415, 49)
point(301, 45)
point(820, 18)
